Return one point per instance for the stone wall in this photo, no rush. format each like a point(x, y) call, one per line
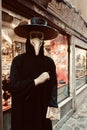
point(69, 15)
point(81, 6)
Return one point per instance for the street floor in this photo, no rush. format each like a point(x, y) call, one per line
point(78, 121)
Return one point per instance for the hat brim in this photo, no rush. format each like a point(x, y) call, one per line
point(24, 30)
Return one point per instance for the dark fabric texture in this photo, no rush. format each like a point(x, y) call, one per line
point(30, 102)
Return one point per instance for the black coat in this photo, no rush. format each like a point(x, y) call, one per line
point(30, 102)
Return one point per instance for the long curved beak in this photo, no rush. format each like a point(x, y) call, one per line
point(37, 49)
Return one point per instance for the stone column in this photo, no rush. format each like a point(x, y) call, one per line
point(1, 113)
point(72, 73)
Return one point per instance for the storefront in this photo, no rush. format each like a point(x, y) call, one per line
point(12, 46)
point(58, 48)
point(68, 52)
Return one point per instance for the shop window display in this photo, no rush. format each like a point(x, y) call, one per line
point(6, 63)
point(11, 47)
point(58, 51)
point(18, 48)
point(80, 61)
point(9, 51)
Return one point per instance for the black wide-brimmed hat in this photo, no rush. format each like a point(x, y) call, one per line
point(36, 24)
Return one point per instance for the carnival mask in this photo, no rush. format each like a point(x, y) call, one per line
point(36, 40)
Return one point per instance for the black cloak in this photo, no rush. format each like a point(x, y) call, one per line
point(30, 102)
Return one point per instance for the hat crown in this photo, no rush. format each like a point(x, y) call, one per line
point(38, 21)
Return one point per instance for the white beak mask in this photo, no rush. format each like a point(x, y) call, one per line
point(36, 40)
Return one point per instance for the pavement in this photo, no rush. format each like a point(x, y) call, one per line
point(78, 121)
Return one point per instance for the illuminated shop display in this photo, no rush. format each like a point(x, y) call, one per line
point(58, 51)
point(9, 51)
point(6, 58)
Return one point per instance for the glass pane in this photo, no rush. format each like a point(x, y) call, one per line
point(58, 51)
point(80, 61)
point(11, 46)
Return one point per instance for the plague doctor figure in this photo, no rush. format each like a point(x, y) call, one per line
point(33, 81)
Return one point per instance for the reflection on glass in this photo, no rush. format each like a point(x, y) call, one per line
point(80, 62)
point(57, 50)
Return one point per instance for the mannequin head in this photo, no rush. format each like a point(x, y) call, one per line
point(36, 40)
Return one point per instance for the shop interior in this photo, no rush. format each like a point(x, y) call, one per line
point(12, 45)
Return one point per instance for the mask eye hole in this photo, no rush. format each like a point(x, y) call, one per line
point(33, 43)
point(41, 43)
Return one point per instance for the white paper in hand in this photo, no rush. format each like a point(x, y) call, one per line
point(53, 113)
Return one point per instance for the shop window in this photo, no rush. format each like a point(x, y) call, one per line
point(6, 63)
point(12, 46)
point(81, 67)
point(58, 50)
point(9, 51)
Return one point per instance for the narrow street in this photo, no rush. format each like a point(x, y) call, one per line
point(78, 120)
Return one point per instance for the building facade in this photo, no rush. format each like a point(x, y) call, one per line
point(68, 50)
point(80, 6)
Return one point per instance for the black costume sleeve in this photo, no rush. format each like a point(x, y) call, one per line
point(53, 84)
point(17, 85)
